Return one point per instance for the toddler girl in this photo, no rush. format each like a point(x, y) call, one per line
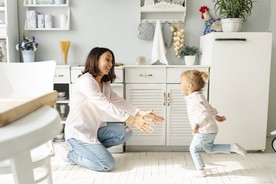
point(203, 118)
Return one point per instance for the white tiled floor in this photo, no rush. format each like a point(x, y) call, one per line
point(171, 168)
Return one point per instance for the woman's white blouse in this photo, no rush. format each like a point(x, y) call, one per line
point(88, 106)
point(201, 112)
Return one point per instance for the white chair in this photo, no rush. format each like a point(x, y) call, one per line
point(26, 80)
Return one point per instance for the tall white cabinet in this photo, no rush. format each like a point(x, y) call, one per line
point(239, 84)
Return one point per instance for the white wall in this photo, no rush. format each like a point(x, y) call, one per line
point(113, 24)
point(272, 98)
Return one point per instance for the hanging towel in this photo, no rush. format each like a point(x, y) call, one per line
point(158, 53)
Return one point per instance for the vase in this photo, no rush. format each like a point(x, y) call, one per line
point(189, 60)
point(231, 24)
point(28, 56)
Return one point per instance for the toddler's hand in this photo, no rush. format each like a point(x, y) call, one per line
point(195, 128)
point(220, 118)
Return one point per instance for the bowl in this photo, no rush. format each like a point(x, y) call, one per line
point(60, 136)
point(61, 94)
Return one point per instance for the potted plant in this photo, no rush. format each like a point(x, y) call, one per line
point(189, 54)
point(28, 46)
point(233, 13)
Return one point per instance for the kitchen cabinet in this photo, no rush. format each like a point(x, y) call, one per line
point(8, 31)
point(157, 88)
point(60, 15)
point(62, 82)
point(239, 84)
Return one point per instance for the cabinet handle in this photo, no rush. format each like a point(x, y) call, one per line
point(145, 75)
point(168, 99)
point(230, 39)
point(60, 75)
point(164, 103)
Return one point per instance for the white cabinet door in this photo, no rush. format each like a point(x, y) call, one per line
point(239, 84)
point(148, 97)
point(178, 127)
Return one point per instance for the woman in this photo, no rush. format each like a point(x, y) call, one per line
point(85, 132)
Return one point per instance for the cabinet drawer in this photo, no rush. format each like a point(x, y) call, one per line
point(173, 74)
point(119, 75)
point(145, 75)
point(75, 74)
point(62, 75)
point(3, 32)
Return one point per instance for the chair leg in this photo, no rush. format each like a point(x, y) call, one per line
point(51, 147)
point(48, 172)
point(49, 178)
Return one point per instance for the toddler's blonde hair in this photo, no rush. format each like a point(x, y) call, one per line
point(196, 77)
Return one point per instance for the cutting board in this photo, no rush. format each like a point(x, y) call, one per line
point(12, 109)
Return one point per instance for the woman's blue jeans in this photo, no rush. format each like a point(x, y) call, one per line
point(96, 156)
point(205, 142)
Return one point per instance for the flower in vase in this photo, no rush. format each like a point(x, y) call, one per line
point(27, 43)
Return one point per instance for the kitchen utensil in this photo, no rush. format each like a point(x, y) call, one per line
point(64, 45)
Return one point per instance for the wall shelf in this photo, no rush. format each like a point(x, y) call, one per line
point(152, 9)
point(53, 9)
point(47, 29)
point(47, 5)
point(165, 12)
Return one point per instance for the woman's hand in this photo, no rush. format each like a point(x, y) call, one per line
point(151, 117)
point(145, 120)
point(144, 125)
